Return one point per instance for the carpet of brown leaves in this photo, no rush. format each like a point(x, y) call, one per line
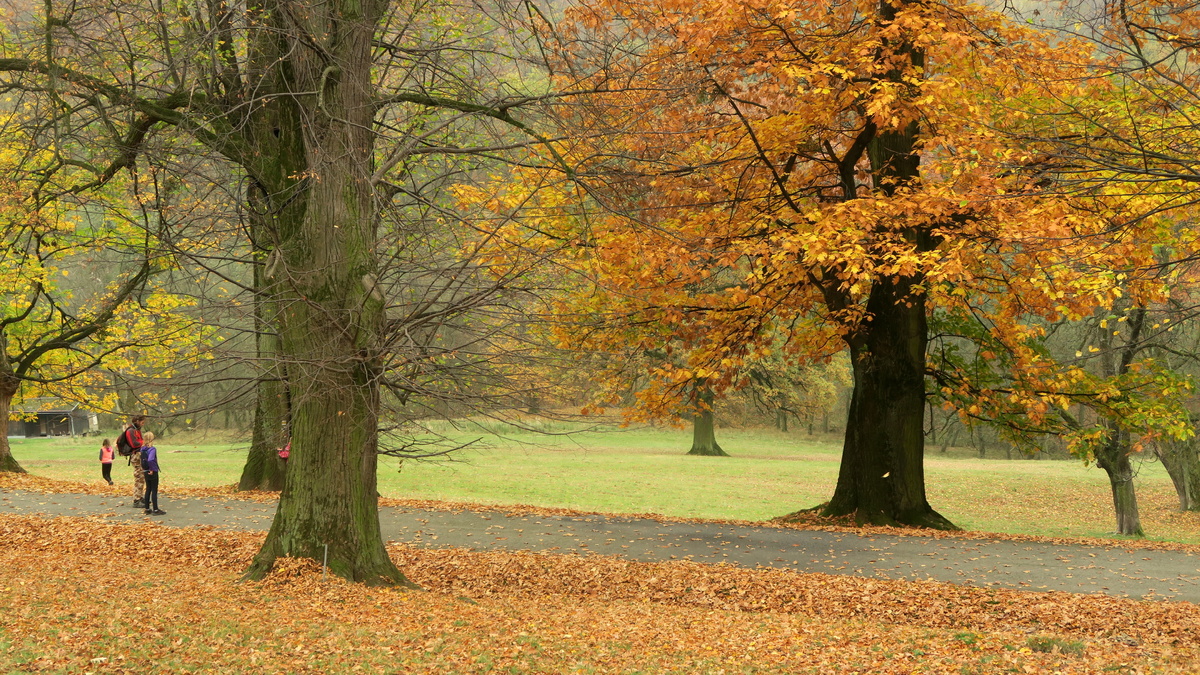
point(86, 595)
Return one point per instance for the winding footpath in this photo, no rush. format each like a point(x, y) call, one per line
point(1076, 568)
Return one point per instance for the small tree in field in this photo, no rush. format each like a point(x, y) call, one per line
point(1122, 145)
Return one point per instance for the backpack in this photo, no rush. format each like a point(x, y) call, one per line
point(124, 449)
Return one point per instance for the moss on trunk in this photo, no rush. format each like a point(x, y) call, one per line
point(321, 274)
point(264, 469)
point(1113, 457)
point(704, 436)
point(8, 389)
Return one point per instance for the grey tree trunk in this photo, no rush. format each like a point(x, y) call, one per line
point(8, 389)
point(1113, 457)
point(704, 435)
point(1113, 453)
point(264, 469)
point(330, 311)
point(1181, 459)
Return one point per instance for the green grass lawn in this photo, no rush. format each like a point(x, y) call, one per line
point(645, 470)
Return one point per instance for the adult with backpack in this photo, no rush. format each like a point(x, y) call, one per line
point(129, 444)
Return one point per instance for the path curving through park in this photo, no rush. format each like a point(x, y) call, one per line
point(1022, 565)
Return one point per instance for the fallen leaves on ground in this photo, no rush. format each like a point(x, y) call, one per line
point(1070, 505)
point(33, 483)
point(83, 594)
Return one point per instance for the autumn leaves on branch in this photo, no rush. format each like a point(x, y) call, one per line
point(928, 185)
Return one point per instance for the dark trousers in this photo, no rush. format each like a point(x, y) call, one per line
point(152, 491)
point(106, 472)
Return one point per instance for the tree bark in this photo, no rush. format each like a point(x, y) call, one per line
point(264, 470)
point(781, 420)
point(275, 204)
point(1120, 478)
point(1125, 499)
point(1181, 459)
point(8, 389)
point(882, 476)
point(1113, 453)
point(1113, 457)
point(704, 436)
point(330, 311)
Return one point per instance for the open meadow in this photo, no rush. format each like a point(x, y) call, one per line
point(645, 470)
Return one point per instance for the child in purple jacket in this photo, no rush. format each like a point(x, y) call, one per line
point(150, 468)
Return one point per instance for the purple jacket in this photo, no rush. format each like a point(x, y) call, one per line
point(150, 458)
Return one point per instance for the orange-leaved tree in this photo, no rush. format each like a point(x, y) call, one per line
point(811, 178)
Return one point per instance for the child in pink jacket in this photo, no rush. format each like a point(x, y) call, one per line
point(106, 460)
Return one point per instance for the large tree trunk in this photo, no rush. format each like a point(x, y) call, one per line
point(704, 435)
point(275, 205)
point(1113, 457)
point(882, 475)
point(264, 470)
point(331, 312)
point(8, 389)
point(1181, 459)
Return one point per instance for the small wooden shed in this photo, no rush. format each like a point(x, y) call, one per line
point(55, 417)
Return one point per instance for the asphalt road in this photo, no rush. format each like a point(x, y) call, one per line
point(1116, 571)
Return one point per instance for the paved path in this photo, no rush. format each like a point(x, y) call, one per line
point(1019, 565)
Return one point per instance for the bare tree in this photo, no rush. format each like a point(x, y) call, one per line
point(352, 310)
